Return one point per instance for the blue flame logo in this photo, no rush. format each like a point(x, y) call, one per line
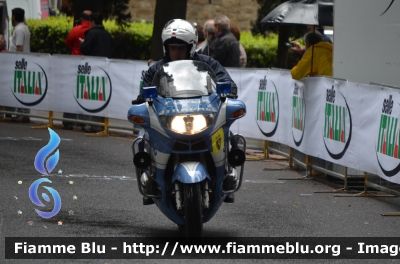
point(50, 165)
point(45, 151)
point(35, 199)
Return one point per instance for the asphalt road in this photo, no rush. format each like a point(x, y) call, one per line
point(95, 180)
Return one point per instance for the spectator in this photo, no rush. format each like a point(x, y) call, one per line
point(200, 33)
point(20, 43)
point(22, 36)
point(3, 49)
point(97, 42)
point(209, 35)
point(321, 54)
point(299, 49)
point(226, 48)
point(72, 42)
point(320, 30)
point(2, 44)
point(243, 57)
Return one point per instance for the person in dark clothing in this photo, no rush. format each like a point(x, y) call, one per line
point(72, 42)
point(78, 32)
point(179, 43)
point(208, 31)
point(97, 40)
point(226, 48)
point(220, 72)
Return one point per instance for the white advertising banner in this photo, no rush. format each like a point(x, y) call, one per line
point(82, 85)
point(125, 76)
point(24, 80)
point(351, 124)
point(248, 82)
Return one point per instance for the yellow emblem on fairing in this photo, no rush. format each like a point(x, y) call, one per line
point(217, 140)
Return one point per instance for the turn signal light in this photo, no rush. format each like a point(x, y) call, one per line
point(137, 119)
point(238, 113)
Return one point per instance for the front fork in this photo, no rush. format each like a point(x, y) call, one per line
point(179, 195)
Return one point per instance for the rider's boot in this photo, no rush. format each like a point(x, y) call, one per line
point(147, 201)
point(230, 183)
point(229, 198)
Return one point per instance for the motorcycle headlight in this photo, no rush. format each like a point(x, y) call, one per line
point(188, 124)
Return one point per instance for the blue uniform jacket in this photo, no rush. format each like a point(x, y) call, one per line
point(219, 70)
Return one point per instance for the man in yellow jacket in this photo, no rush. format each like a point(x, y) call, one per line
point(322, 54)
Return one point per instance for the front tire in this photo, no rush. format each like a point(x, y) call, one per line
point(193, 210)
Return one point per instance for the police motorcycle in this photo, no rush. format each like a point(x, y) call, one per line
point(186, 159)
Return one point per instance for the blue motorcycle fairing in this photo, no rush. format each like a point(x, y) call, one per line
point(141, 111)
point(160, 141)
point(190, 172)
point(232, 106)
point(168, 209)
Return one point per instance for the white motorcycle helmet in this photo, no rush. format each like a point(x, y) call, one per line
point(179, 31)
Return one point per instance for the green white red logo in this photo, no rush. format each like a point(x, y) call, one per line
point(338, 124)
point(267, 114)
point(30, 83)
point(93, 88)
point(335, 122)
point(388, 140)
point(298, 113)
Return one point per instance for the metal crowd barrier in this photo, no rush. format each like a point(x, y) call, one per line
point(316, 167)
point(50, 117)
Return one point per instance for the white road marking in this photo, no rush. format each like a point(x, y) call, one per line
point(122, 178)
point(263, 181)
point(30, 138)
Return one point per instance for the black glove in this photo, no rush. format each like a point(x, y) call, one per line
point(233, 94)
point(139, 100)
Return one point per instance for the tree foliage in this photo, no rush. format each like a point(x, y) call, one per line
point(266, 6)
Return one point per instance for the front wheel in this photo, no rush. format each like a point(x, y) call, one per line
point(193, 210)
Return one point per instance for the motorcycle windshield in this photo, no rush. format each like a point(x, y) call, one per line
point(185, 79)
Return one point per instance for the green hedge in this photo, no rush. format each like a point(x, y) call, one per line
point(131, 42)
point(134, 41)
point(261, 51)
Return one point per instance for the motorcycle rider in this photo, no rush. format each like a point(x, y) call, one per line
point(179, 38)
